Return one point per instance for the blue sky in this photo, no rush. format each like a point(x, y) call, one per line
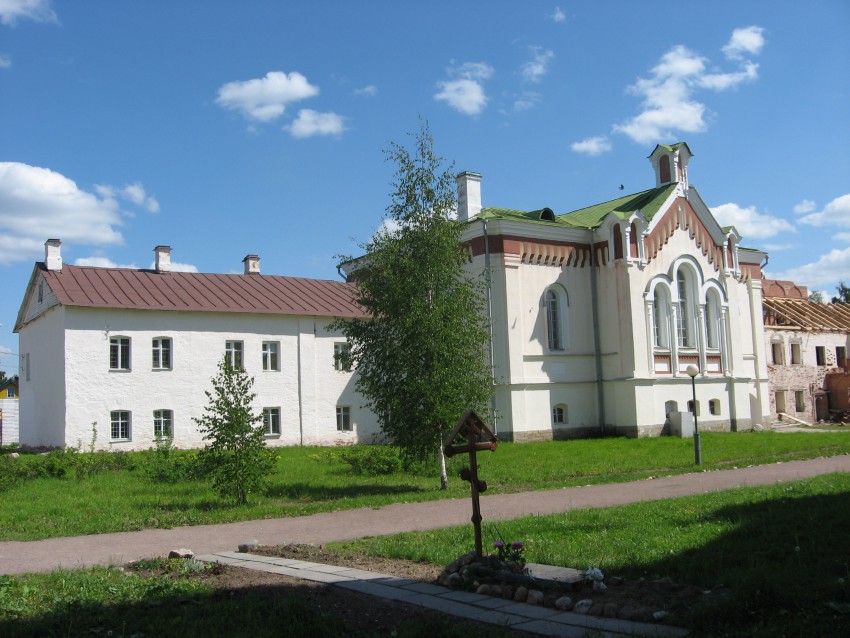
point(226, 128)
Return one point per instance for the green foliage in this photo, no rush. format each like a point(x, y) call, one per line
point(373, 460)
point(166, 464)
point(236, 458)
point(421, 355)
point(843, 293)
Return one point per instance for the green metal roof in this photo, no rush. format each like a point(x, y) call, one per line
point(648, 202)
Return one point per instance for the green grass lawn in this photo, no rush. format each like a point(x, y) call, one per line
point(781, 552)
point(309, 480)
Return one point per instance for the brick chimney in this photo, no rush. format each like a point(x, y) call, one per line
point(53, 254)
point(163, 258)
point(468, 195)
point(252, 264)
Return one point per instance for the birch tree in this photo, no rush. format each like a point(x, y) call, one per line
point(421, 355)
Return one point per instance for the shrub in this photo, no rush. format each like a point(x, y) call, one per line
point(164, 464)
point(373, 460)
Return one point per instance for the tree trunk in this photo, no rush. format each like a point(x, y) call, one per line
point(444, 479)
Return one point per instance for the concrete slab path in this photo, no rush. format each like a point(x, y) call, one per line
point(533, 619)
point(116, 548)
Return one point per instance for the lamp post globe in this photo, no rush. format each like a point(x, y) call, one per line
point(693, 371)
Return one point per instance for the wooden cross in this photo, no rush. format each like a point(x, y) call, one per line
point(471, 428)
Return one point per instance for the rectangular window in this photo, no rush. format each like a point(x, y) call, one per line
point(119, 425)
point(840, 356)
point(714, 407)
point(559, 414)
point(119, 353)
point(233, 350)
point(799, 401)
point(163, 423)
point(777, 351)
point(161, 353)
point(820, 355)
point(10, 392)
point(340, 356)
point(271, 421)
point(796, 354)
point(270, 355)
point(343, 418)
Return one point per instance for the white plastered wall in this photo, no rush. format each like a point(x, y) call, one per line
point(307, 388)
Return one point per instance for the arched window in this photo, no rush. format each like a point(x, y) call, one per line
point(712, 320)
point(660, 321)
point(633, 242)
point(685, 325)
point(664, 168)
point(555, 320)
point(618, 241)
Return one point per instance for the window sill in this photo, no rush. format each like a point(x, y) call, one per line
point(161, 369)
point(120, 370)
point(276, 435)
point(120, 440)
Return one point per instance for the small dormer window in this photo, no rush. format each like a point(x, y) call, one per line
point(547, 215)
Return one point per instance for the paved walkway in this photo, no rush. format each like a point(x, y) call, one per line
point(116, 548)
point(534, 619)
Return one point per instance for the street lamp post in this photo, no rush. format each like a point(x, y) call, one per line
point(693, 371)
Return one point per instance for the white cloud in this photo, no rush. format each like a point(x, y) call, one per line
point(265, 99)
point(5, 62)
point(826, 271)
point(669, 106)
point(749, 222)
point(559, 15)
point(535, 69)
point(806, 206)
point(37, 10)
point(37, 203)
point(367, 90)
point(835, 213)
point(723, 81)
point(748, 40)
point(466, 93)
point(134, 193)
point(526, 101)
point(773, 248)
point(176, 266)
point(592, 145)
point(101, 262)
point(841, 237)
point(310, 123)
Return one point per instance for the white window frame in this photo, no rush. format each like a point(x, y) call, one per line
point(560, 414)
point(712, 321)
point(161, 353)
point(271, 421)
point(796, 353)
point(343, 418)
point(120, 353)
point(661, 318)
point(163, 424)
point(235, 352)
point(555, 304)
point(685, 310)
point(340, 348)
point(271, 356)
point(120, 424)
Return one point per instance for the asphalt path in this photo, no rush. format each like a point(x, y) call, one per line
point(116, 548)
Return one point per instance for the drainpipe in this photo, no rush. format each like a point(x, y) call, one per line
point(489, 282)
point(300, 391)
point(600, 389)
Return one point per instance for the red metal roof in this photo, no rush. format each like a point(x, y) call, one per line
point(199, 292)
